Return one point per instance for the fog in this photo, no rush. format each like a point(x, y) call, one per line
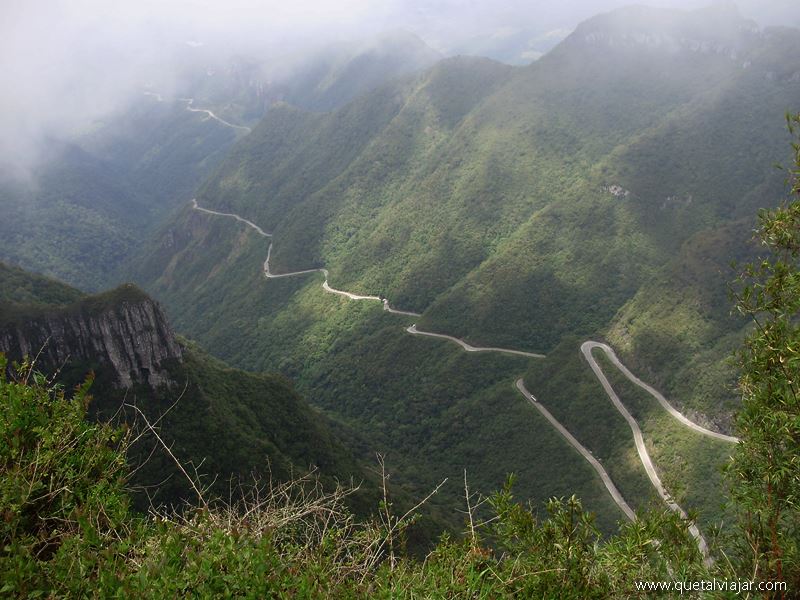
point(68, 63)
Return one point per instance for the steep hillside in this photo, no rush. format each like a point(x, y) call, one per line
point(338, 74)
point(227, 422)
point(516, 206)
point(431, 409)
point(89, 204)
point(526, 208)
point(94, 199)
point(163, 148)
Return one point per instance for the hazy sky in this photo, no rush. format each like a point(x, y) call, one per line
point(66, 62)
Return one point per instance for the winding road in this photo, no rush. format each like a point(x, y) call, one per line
point(644, 456)
point(612, 489)
point(586, 349)
point(211, 115)
point(325, 286)
point(469, 348)
point(189, 101)
point(258, 229)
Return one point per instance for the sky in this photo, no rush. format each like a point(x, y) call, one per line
point(65, 63)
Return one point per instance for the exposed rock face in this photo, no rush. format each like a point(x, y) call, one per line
point(125, 331)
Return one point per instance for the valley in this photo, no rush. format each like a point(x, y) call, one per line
point(536, 288)
point(586, 350)
point(409, 193)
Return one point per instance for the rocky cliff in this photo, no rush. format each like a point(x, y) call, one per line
point(122, 330)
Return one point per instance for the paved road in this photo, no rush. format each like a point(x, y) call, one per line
point(469, 348)
point(232, 216)
point(395, 311)
point(612, 489)
point(587, 348)
point(190, 101)
point(325, 285)
point(190, 108)
point(644, 457)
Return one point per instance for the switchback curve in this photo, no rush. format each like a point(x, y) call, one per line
point(586, 349)
point(644, 456)
point(211, 115)
point(189, 101)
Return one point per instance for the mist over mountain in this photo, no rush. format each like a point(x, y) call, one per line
point(487, 248)
point(592, 193)
point(68, 65)
point(135, 165)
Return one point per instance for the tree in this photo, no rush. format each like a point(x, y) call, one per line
point(765, 469)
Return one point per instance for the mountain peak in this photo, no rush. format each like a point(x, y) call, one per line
point(718, 27)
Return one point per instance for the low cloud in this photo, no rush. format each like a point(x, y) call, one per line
point(68, 63)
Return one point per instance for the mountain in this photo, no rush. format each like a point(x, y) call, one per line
point(320, 79)
point(598, 192)
point(94, 199)
point(228, 423)
point(476, 187)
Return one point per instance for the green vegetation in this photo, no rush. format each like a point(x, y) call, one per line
point(53, 299)
point(566, 386)
point(68, 530)
point(481, 195)
point(88, 207)
point(689, 463)
point(765, 472)
point(21, 287)
point(65, 512)
point(678, 330)
point(435, 410)
point(92, 203)
point(430, 408)
point(340, 72)
point(76, 221)
point(233, 423)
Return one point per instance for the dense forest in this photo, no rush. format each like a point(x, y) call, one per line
point(69, 528)
point(366, 318)
point(593, 194)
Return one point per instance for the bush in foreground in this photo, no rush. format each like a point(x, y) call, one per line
point(68, 531)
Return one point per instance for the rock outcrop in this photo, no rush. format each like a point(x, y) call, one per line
point(123, 330)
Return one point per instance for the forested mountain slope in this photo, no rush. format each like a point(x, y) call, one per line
point(600, 191)
point(92, 201)
point(516, 206)
point(230, 424)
